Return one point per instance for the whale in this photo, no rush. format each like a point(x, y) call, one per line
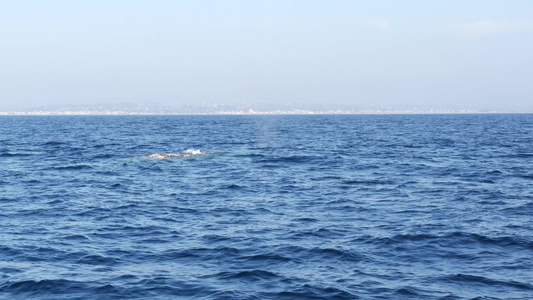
point(187, 153)
point(165, 155)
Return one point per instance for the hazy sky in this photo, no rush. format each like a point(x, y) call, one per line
point(464, 53)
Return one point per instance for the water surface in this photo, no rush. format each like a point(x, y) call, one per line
point(267, 207)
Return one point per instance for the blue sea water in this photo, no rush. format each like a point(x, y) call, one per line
point(267, 207)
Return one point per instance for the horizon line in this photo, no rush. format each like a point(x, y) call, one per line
point(245, 113)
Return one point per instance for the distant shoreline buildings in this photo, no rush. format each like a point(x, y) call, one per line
point(294, 112)
point(218, 109)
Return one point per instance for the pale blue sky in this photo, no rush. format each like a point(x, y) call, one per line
point(461, 54)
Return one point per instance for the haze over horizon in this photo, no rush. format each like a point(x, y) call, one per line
point(457, 54)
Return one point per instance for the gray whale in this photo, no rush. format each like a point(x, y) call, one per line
point(187, 153)
point(165, 155)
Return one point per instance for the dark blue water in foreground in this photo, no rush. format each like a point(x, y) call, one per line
point(267, 207)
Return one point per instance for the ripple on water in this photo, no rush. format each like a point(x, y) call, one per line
point(266, 207)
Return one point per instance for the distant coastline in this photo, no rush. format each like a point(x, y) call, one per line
point(277, 112)
point(245, 109)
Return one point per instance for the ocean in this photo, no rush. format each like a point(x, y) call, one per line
point(267, 207)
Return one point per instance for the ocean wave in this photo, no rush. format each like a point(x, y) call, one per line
point(452, 240)
point(523, 209)
point(370, 181)
point(101, 156)
point(309, 291)
point(481, 280)
point(15, 154)
point(327, 207)
point(288, 159)
point(253, 275)
point(73, 167)
point(94, 259)
point(266, 258)
point(54, 143)
point(47, 288)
